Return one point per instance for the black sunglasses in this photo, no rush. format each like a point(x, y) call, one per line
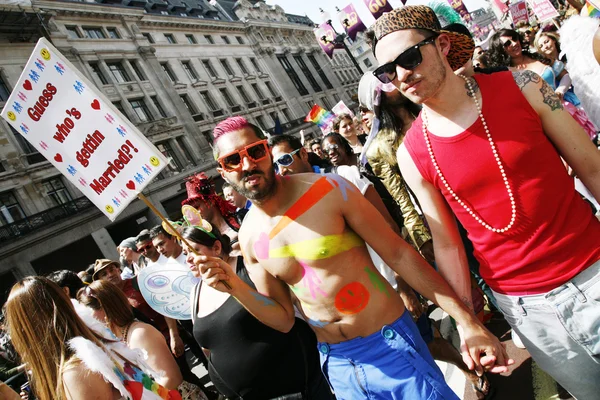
point(408, 59)
point(509, 42)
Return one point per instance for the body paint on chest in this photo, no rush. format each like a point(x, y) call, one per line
point(310, 282)
point(318, 248)
point(317, 324)
point(341, 183)
point(376, 280)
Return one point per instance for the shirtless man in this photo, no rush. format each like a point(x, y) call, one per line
point(304, 233)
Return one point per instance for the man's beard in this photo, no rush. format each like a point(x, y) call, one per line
point(257, 195)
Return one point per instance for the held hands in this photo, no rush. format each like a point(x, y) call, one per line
point(482, 351)
point(213, 271)
point(177, 346)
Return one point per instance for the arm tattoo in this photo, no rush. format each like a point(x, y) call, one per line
point(550, 97)
point(474, 85)
point(468, 303)
point(522, 78)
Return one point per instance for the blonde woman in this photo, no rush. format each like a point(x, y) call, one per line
point(68, 360)
point(111, 307)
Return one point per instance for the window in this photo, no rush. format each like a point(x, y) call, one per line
point(113, 33)
point(270, 38)
point(227, 97)
point(258, 92)
point(141, 110)
point(309, 104)
point(156, 103)
point(255, 65)
point(320, 71)
point(287, 114)
point(167, 151)
point(239, 39)
point(209, 101)
point(209, 68)
point(94, 33)
point(261, 122)
point(118, 72)
point(191, 39)
point(119, 107)
point(326, 102)
point(368, 63)
point(209, 39)
point(225, 39)
point(336, 98)
point(226, 67)
point(184, 148)
point(72, 32)
point(243, 94)
point(271, 89)
point(10, 209)
point(138, 71)
point(164, 12)
point(208, 136)
point(33, 156)
point(274, 116)
point(292, 74)
point(169, 72)
point(188, 104)
point(4, 90)
point(189, 70)
point(98, 74)
point(148, 37)
point(56, 190)
point(307, 73)
point(242, 66)
point(170, 38)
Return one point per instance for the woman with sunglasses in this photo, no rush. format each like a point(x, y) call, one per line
point(507, 50)
point(110, 306)
point(247, 359)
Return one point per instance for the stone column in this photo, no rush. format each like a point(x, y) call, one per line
point(106, 244)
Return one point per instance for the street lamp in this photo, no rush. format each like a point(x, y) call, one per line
point(339, 38)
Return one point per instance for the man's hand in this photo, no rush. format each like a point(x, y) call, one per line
point(177, 346)
point(410, 299)
point(426, 251)
point(482, 351)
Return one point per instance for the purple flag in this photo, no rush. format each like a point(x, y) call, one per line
point(325, 36)
point(378, 7)
point(460, 8)
point(351, 21)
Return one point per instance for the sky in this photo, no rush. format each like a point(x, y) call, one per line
point(311, 8)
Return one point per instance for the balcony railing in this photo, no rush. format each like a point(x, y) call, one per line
point(41, 220)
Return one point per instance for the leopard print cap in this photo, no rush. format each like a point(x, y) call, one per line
point(423, 17)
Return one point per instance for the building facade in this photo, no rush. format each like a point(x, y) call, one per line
point(175, 69)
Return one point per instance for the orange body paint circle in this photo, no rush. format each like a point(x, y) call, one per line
point(352, 298)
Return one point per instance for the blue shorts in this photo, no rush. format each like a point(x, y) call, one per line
point(393, 363)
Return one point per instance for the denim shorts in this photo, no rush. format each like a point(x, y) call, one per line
point(393, 363)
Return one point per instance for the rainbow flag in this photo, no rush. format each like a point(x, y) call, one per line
point(590, 11)
point(320, 116)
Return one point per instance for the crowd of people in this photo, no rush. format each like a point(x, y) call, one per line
point(318, 263)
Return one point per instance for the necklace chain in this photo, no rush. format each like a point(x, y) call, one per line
point(476, 216)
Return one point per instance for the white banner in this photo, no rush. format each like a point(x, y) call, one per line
point(68, 120)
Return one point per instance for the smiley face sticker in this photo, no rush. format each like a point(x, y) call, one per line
point(109, 209)
point(154, 161)
point(11, 115)
point(45, 54)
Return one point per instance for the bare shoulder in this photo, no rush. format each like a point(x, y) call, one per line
point(81, 383)
point(537, 91)
point(141, 334)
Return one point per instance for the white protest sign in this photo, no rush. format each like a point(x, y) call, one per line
point(543, 9)
point(342, 108)
point(68, 120)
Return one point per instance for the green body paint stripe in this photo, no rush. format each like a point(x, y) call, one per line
point(376, 280)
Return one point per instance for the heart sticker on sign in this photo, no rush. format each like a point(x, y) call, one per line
point(95, 104)
point(130, 185)
point(58, 157)
point(27, 84)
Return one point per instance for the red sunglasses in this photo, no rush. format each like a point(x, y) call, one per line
point(256, 151)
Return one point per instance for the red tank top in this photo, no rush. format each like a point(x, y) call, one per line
point(555, 235)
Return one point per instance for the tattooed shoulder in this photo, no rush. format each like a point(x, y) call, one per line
point(550, 97)
point(522, 78)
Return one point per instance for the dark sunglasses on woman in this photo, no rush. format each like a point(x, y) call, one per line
point(256, 152)
point(408, 59)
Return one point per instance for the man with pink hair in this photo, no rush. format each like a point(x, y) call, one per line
point(304, 233)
